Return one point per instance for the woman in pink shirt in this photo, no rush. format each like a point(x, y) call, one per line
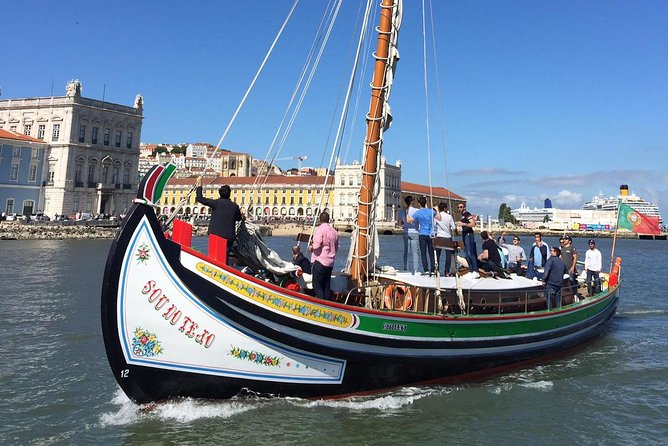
point(323, 247)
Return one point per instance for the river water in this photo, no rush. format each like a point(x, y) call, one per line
point(56, 386)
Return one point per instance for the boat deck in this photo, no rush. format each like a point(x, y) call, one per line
point(467, 282)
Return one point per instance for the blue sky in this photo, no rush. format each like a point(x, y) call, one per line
point(539, 99)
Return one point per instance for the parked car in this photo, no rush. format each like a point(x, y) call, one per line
point(40, 217)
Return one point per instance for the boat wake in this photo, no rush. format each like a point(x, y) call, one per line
point(385, 402)
point(188, 410)
point(634, 313)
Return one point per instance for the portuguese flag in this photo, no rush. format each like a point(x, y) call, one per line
point(636, 222)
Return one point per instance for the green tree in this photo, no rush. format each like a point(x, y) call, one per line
point(506, 215)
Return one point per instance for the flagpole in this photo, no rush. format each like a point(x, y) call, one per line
point(614, 237)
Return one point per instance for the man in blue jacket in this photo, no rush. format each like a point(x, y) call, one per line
point(555, 269)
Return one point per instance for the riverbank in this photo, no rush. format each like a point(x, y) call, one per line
point(13, 230)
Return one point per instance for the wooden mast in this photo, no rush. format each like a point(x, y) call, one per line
point(358, 268)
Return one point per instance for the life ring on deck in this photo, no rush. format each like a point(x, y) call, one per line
point(398, 297)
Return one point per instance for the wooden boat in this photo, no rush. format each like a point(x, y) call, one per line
point(178, 323)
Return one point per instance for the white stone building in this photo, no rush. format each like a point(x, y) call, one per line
point(93, 148)
point(347, 181)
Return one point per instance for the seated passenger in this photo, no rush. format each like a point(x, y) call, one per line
point(490, 259)
point(300, 260)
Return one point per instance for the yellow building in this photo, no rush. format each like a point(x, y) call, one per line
point(279, 197)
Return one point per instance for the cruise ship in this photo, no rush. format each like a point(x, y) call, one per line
point(600, 202)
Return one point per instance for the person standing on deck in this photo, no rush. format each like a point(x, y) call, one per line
point(516, 254)
point(425, 220)
point(224, 214)
point(593, 265)
point(445, 227)
point(570, 257)
point(538, 255)
point(555, 269)
point(324, 244)
point(467, 223)
point(411, 235)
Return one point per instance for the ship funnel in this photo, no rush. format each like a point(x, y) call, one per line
point(624, 190)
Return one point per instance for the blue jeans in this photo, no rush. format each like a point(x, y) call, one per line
point(470, 252)
point(553, 294)
point(411, 243)
point(448, 259)
point(427, 251)
point(322, 276)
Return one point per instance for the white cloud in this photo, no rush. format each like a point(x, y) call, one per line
point(566, 197)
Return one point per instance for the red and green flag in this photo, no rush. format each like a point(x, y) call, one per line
point(636, 222)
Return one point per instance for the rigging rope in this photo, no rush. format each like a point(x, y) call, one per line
point(243, 100)
point(330, 12)
point(336, 148)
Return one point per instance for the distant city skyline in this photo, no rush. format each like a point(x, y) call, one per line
point(540, 100)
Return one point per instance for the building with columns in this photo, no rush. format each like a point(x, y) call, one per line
point(280, 197)
point(93, 148)
point(347, 182)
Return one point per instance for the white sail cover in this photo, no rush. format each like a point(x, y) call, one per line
point(393, 58)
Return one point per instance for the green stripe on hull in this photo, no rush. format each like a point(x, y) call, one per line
point(481, 326)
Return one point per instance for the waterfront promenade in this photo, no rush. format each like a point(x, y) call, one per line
point(13, 230)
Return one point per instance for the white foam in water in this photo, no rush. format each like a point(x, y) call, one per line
point(540, 385)
point(640, 312)
point(188, 410)
point(128, 412)
point(383, 402)
point(182, 411)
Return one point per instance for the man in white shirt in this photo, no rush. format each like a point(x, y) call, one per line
point(516, 254)
point(593, 264)
point(445, 228)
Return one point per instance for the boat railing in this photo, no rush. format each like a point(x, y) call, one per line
point(473, 301)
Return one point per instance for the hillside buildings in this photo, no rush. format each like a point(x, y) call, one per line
point(91, 150)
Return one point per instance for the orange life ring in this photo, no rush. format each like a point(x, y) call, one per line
point(398, 297)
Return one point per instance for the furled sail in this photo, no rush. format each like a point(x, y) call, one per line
point(393, 58)
point(253, 252)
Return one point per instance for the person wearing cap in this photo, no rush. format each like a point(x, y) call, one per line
point(516, 254)
point(593, 265)
point(570, 256)
point(555, 270)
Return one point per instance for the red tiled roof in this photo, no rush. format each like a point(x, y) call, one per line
point(8, 134)
point(425, 190)
point(240, 181)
